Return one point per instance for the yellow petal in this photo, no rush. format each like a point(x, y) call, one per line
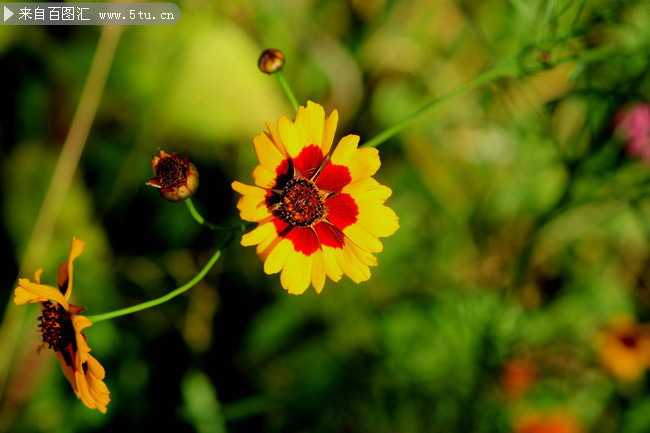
point(278, 256)
point(64, 274)
point(276, 139)
point(37, 276)
point(345, 149)
point(310, 122)
point(244, 189)
point(264, 177)
point(265, 247)
point(363, 163)
point(259, 234)
point(318, 271)
point(351, 266)
point(296, 274)
point(32, 292)
point(252, 208)
point(364, 256)
point(360, 236)
point(329, 131)
point(88, 372)
point(267, 153)
point(332, 268)
point(361, 186)
point(301, 127)
point(376, 218)
point(289, 135)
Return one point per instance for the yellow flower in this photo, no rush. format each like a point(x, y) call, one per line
point(624, 348)
point(319, 212)
point(61, 327)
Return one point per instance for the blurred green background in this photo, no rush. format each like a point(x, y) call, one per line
point(524, 225)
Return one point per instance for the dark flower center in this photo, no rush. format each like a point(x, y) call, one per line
point(301, 203)
point(629, 340)
point(56, 327)
point(171, 172)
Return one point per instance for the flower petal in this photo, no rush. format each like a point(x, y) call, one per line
point(252, 204)
point(296, 274)
point(267, 152)
point(318, 271)
point(64, 273)
point(344, 150)
point(263, 230)
point(329, 131)
point(363, 163)
point(278, 256)
point(332, 268)
point(32, 292)
point(329, 235)
point(350, 264)
point(88, 371)
point(276, 139)
point(342, 210)
point(308, 161)
point(376, 218)
point(263, 177)
point(290, 138)
point(312, 121)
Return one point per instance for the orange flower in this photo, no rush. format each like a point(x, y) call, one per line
point(61, 327)
point(177, 179)
point(318, 212)
point(624, 348)
point(516, 377)
point(554, 422)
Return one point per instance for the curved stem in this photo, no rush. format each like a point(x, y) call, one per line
point(154, 302)
point(199, 218)
point(287, 90)
point(509, 67)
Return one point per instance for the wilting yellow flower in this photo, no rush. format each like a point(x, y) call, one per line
point(61, 327)
point(319, 212)
point(177, 179)
point(624, 348)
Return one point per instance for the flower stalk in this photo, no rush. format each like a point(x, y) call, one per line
point(161, 300)
point(287, 90)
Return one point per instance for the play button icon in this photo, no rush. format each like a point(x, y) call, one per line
point(8, 13)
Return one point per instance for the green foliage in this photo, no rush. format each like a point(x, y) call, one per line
point(523, 221)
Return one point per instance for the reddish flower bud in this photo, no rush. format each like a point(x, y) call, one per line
point(176, 178)
point(271, 61)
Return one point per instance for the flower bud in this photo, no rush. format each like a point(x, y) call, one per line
point(271, 61)
point(176, 178)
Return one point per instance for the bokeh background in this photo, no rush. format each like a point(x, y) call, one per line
point(497, 306)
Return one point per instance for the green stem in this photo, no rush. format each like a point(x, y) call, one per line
point(199, 218)
point(510, 67)
point(154, 302)
point(499, 71)
point(287, 90)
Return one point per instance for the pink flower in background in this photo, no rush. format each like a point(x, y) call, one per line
point(633, 126)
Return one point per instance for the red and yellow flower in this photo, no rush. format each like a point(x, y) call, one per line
point(319, 211)
point(61, 327)
point(624, 348)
